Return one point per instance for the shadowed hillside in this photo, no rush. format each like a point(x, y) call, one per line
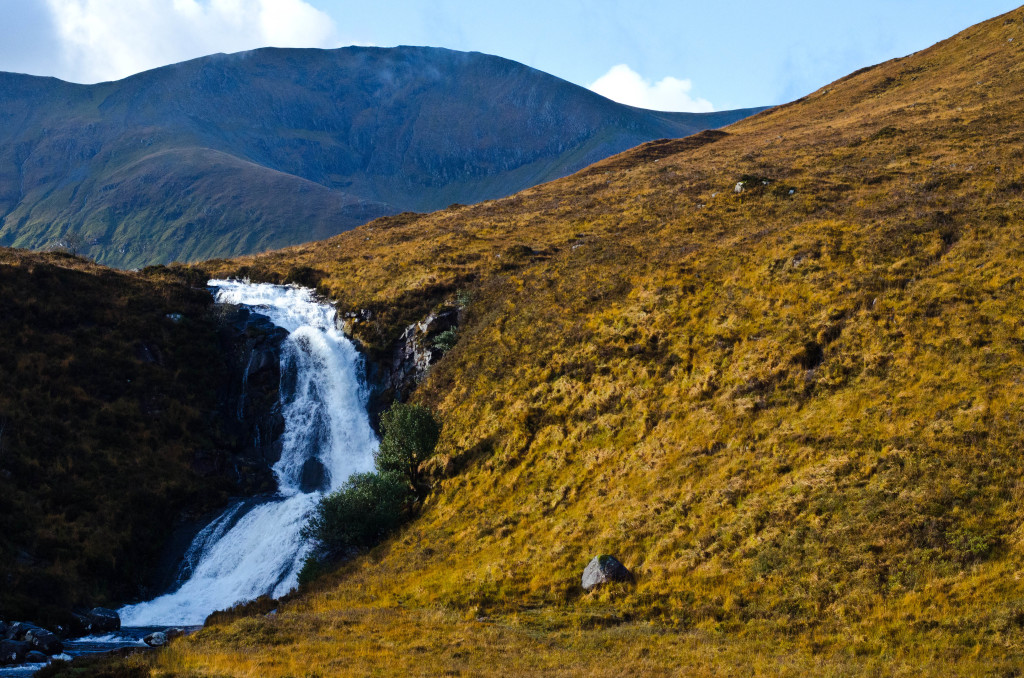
point(109, 427)
point(234, 154)
point(775, 370)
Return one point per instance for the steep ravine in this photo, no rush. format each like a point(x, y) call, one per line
point(122, 420)
point(317, 434)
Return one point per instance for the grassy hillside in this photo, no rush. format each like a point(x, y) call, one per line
point(793, 411)
point(235, 154)
point(105, 402)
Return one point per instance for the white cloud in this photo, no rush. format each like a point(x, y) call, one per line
point(110, 39)
point(626, 86)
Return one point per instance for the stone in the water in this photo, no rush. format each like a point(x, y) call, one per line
point(604, 569)
point(12, 652)
point(43, 641)
point(314, 476)
point(17, 630)
point(156, 639)
point(36, 657)
point(102, 619)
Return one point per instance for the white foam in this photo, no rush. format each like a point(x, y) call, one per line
point(106, 639)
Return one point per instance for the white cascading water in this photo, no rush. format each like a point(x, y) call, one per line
point(241, 557)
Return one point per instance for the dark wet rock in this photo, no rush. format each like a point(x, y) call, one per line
point(249, 405)
point(36, 657)
point(97, 620)
point(313, 477)
point(43, 641)
point(18, 630)
point(602, 570)
point(174, 633)
point(105, 619)
point(13, 652)
point(3, 630)
point(156, 639)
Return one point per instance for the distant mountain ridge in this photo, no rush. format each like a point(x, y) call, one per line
point(232, 154)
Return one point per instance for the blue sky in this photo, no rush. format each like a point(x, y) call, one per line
point(666, 54)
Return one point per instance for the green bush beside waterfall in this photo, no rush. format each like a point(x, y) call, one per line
point(369, 506)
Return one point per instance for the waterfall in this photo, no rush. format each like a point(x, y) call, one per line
point(254, 548)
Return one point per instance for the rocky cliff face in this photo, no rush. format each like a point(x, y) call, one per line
point(250, 407)
point(396, 374)
point(250, 424)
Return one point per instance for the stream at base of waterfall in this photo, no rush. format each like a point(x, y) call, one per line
point(254, 547)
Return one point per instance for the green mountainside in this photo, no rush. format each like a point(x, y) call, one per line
point(235, 154)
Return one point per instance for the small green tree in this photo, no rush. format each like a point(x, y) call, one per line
point(369, 506)
point(366, 508)
point(409, 437)
point(445, 341)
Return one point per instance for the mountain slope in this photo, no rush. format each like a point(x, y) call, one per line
point(794, 411)
point(233, 154)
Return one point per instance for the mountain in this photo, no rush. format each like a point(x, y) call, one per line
point(776, 370)
point(235, 154)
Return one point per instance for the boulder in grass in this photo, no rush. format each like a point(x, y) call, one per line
point(174, 633)
point(602, 570)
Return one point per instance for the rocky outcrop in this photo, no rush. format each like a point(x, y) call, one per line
point(603, 570)
point(421, 345)
point(417, 350)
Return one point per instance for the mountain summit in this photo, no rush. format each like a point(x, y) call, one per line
point(233, 154)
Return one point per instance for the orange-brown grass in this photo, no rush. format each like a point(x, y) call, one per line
point(794, 412)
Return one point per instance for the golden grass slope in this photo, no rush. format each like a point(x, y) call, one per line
point(794, 412)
